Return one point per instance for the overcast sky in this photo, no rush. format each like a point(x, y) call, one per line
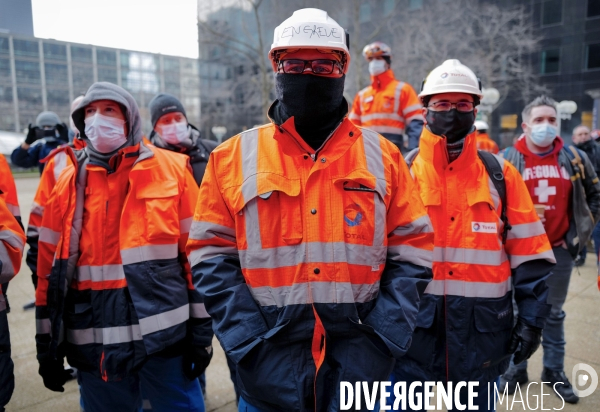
point(156, 26)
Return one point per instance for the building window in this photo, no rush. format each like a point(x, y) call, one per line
point(106, 57)
point(26, 48)
point(4, 69)
point(107, 75)
point(388, 7)
point(27, 72)
point(81, 54)
point(4, 45)
point(56, 73)
point(552, 12)
point(415, 4)
point(6, 94)
point(83, 77)
point(55, 51)
point(593, 56)
point(30, 98)
point(364, 13)
point(170, 63)
point(57, 97)
point(550, 62)
point(593, 8)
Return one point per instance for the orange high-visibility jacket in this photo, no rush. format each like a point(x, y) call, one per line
point(466, 314)
point(117, 242)
point(310, 264)
point(387, 106)
point(9, 189)
point(485, 142)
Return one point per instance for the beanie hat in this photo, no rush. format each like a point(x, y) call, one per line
point(47, 119)
point(162, 104)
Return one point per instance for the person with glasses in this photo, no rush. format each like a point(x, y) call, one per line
point(489, 242)
point(312, 247)
point(388, 106)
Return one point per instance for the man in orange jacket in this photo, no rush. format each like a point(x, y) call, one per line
point(488, 241)
point(484, 141)
point(311, 248)
point(112, 274)
point(388, 106)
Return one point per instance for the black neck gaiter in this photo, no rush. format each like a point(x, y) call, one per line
point(454, 125)
point(317, 104)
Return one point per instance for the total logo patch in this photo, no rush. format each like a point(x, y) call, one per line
point(483, 227)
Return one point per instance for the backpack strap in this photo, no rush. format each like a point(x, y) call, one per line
point(497, 177)
point(577, 162)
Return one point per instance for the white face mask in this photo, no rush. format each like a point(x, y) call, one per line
point(175, 133)
point(376, 67)
point(543, 134)
point(106, 133)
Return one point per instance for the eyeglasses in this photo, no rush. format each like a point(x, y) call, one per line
point(447, 106)
point(320, 66)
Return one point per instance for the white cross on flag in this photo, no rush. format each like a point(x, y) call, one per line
point(543, 191)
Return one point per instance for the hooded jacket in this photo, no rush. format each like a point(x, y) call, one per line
point(113, 283)
point(585, 196)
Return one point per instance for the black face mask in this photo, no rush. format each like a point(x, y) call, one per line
point(453, 124)
point(310, 99)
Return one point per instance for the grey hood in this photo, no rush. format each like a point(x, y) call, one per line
point(109, 91)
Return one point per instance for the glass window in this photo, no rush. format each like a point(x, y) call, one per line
point(171, 63)
point(415, 4)
point(27, 72)
point(26, 48)
point(364, 13)
point(6, 93)
point(56, 73)
point(81, 54)
point(593, 8)
point(190, 66)
point(55, 51)
point(4, 45)
point(83, 77)
point(107, 75)
point(57, 97)
point(30, 98)
point(388, 6)
point(550, 61)
point(593, 56)
point(552, 12)
point(124, 57)
point(7, 118)
point(106, 57)
point(5, 68)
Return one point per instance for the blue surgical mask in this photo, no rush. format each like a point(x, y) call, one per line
point(543, 134)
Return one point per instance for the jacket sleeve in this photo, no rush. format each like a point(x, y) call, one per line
point(26, 158)
point(408, 266)
point(410, 110)
point(591, 185)
point(355, 112)
point(217, 274)
point(529, 251)
point(12, 240)
point(200, 324)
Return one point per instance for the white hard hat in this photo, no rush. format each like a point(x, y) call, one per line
point(310, 29)
point(481, 125)
point(451, 76)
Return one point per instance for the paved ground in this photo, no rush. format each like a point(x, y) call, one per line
point(582, 331)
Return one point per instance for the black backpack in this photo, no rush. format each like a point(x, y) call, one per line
point(494, 170)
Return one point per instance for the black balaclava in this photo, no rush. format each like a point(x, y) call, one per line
point(453, 124)
point(316, 102)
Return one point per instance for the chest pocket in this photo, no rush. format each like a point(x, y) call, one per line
point(482, 224)
point(161, 199)
point(268, 209)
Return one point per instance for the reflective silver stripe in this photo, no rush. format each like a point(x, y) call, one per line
point(42, 325)
point(313, 252)
point(381, 116)
point(374, 157)
point(8, 270)
point(412, 108)
point(386, 129)
point(526, 230)
point(411, 254)
point(209, 252)
point(469, 289)
point(354, 116)
point(420, 225)
point(13, 209)
point(165, 320)
point(397, 93)
point(185, 224)
point(150, 252)
point(60, 162)
point(470, 256)
point(106, 336)
point(516, 260)
point(315, 292)
point(37, 209)
point(11, 238)
point(100, 273)
point(249, 142)
point(198, 310)
point(209, 230)
point(33, 231)
point(49, 236)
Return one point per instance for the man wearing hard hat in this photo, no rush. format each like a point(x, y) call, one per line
point(312, 248)
point(485, 227)
point(483, 139)
point(388, 106)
